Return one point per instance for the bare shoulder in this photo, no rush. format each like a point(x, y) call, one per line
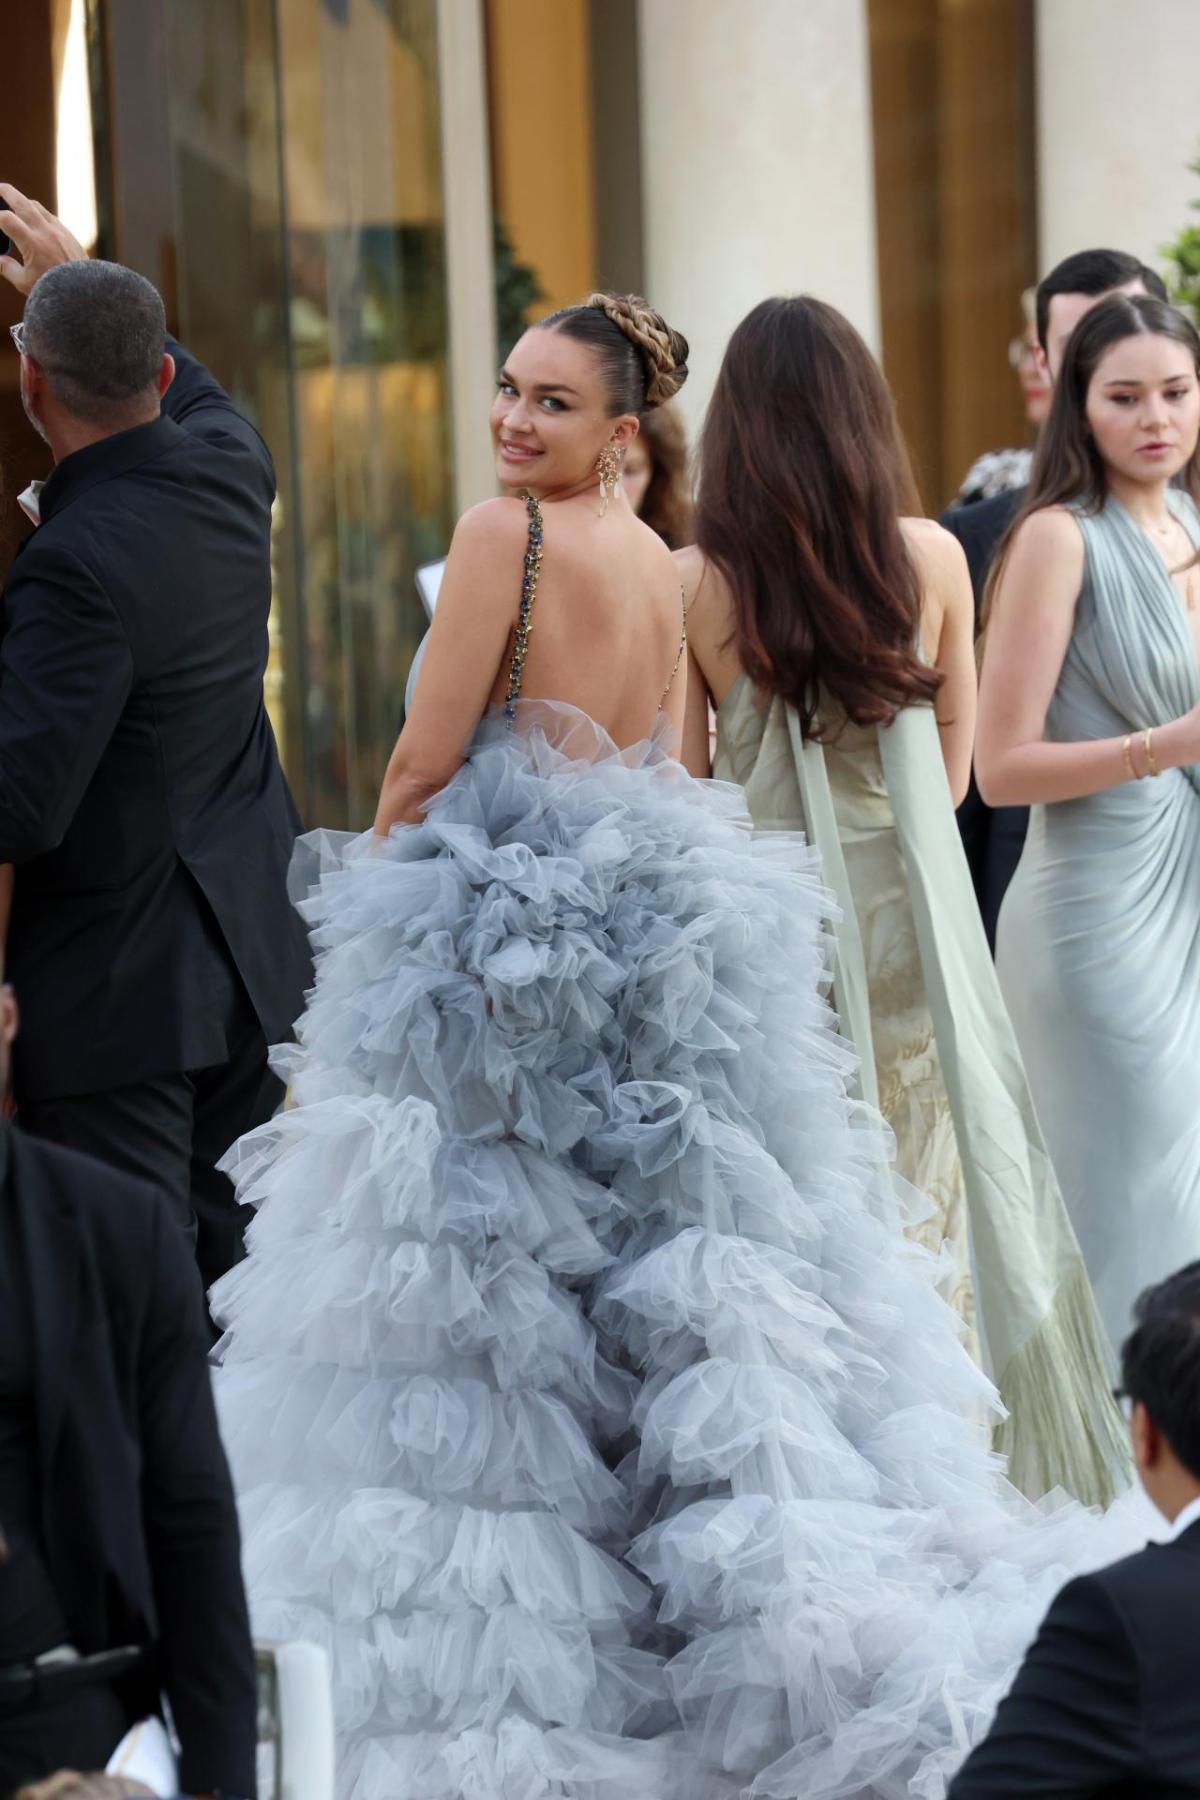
point(937, 552)
point(704, 586)
point(1051, 530)
point(492, 526)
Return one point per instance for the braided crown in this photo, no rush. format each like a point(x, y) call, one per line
point(664, 352)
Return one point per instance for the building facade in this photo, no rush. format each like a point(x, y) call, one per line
point(350, 206)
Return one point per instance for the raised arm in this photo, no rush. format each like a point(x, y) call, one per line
point(1033, 616)
point(463, 655)
point(197, 402)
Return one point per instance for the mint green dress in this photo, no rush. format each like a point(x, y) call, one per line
point(917, 994)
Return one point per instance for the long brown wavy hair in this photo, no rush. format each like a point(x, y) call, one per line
point(804, 477)
point(1067, 467)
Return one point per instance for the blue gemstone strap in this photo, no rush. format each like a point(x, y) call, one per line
point(529, 582)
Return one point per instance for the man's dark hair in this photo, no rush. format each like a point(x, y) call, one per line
point(98, 331)
point(1093, 272)
point(1160, 1361)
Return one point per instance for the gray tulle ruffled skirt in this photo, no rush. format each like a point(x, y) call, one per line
point(585, 1396)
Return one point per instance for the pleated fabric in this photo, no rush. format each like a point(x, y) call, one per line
point(1098, 946)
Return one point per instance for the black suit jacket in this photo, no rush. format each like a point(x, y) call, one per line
point(993, 837)
point(140, 789)
point(1107, 1702)
point(137, 1508)
point(979, 526)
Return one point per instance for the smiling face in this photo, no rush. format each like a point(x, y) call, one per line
point(550, 418)
point(1143, 408)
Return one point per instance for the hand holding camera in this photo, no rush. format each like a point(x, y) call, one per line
point(32, 240)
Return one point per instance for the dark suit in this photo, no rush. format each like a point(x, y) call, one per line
point(135, 1505)
point(152, 944)
point(993, 837)
point(1107, 1701)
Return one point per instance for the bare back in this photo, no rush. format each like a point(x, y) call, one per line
point(606, 623)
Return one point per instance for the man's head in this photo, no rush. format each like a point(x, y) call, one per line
point(1073, 287)
point(93, 360)
point(1160, 1376)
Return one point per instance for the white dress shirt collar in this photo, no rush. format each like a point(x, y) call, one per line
point(30, 502)
point(1188, 1517)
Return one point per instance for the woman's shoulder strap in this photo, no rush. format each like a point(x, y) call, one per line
point(530, 570)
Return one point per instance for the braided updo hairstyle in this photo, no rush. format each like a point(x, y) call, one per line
point(644, 361)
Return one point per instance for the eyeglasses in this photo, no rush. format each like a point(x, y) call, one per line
point(17, 334)
point(1125, 1403)
point(1021, 351)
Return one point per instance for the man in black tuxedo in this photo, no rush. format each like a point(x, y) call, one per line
point(994, 837)
point(151, 942)
point(122, 1574)
point(1107, 1701)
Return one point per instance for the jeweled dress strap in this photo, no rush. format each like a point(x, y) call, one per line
point(678, 653)
point(529, 582)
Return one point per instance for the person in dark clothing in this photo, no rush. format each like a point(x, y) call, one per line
point(121, 1577)
point(1105, 1701)
point(993, 837)
point(151, 941)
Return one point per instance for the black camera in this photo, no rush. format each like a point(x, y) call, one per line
point(6, 242)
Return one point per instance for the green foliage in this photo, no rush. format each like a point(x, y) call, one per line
point(1183, 262)
point(517, 291)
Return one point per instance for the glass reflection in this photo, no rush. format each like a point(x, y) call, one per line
point(311, 277)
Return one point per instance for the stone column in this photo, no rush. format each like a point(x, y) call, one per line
point(466, 185)
point(1117, 124)
point(756, 165)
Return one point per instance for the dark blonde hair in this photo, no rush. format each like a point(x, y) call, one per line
point(643, 359)
point(667, 505)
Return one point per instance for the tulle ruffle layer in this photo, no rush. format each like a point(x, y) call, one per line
point(586, 1396)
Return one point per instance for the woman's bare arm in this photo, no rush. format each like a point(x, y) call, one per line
point(1033, 617)
point(465, 651)
point(949, 640)
point(695, 753)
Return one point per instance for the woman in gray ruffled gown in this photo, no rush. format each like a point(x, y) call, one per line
point(1090, 712)
point(584, 1394)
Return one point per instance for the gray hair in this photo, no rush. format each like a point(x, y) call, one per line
point(98, 330)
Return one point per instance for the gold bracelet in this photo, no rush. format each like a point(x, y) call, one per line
point(1150, 762)
point(1127, 751)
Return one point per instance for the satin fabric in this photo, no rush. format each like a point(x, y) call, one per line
point(1098, 950)
point(917, 995)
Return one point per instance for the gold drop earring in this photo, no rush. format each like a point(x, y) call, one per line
point(608, 463)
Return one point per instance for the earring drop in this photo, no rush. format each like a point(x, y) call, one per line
point(608, 463)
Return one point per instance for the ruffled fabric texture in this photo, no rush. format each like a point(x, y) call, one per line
point(586, 1397)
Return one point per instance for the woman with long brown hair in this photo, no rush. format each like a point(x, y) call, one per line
point(832, 629)
point(1090, 713)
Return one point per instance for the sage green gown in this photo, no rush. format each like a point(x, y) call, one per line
point(1098, 947)
point(916, 992)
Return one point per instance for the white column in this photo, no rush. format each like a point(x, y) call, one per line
point(467, 187)
point(1118, 123)
point(757, 165)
